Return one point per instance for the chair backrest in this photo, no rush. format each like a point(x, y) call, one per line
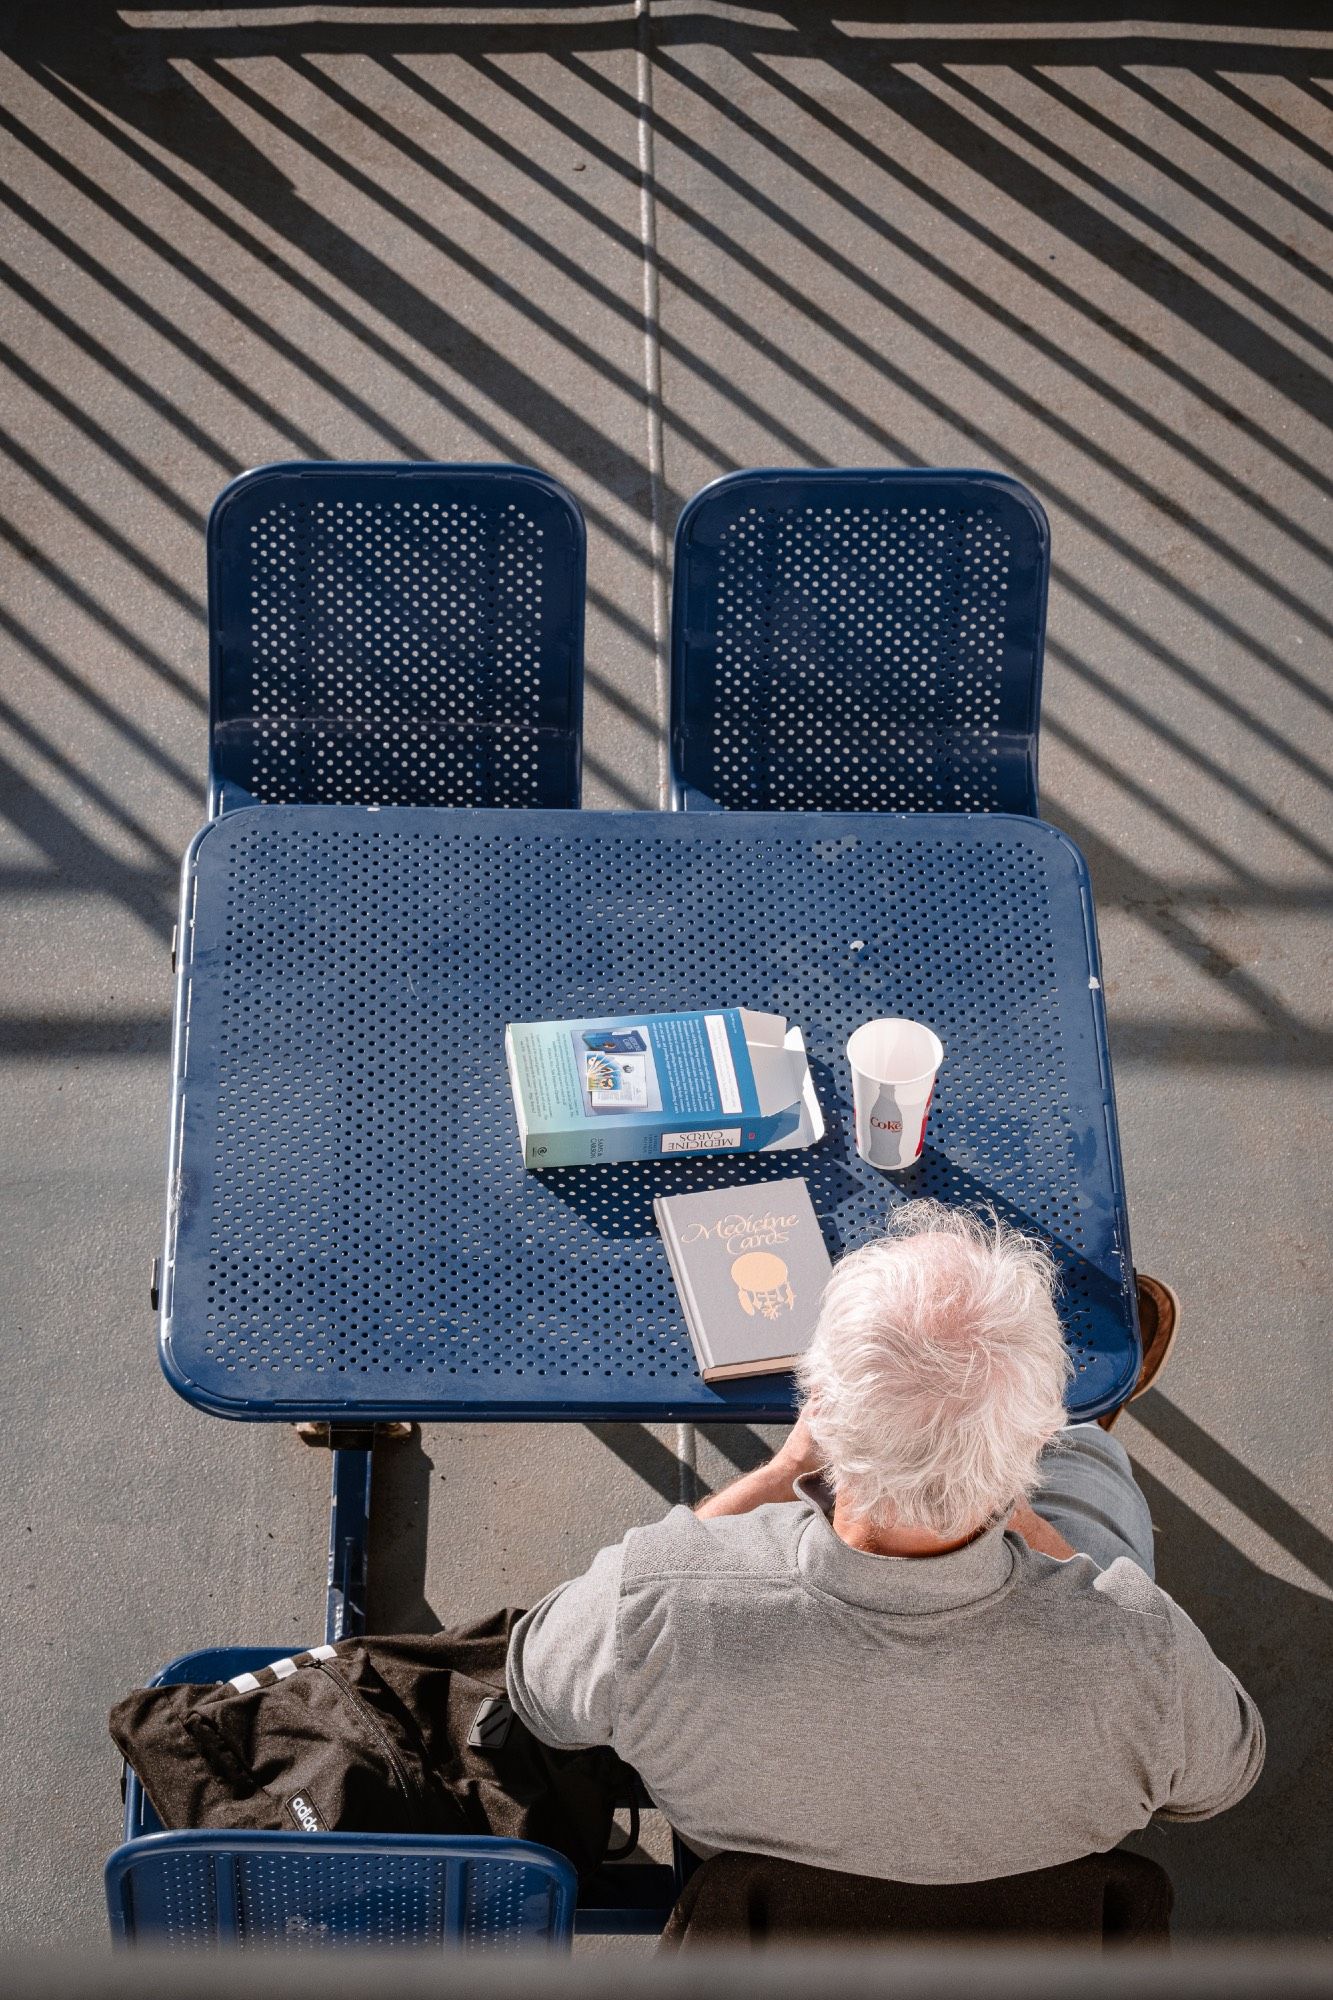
point(303, 1891)
point(395, 635)
point(742, 1899)
point(858, 641)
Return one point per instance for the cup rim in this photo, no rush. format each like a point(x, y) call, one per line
point(896, 1021)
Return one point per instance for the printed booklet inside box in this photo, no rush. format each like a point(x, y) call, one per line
point(645, 1086)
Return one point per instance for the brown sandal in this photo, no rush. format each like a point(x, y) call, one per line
point(1159, 1320)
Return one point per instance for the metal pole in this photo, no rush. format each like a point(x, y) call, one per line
point(349, 1542)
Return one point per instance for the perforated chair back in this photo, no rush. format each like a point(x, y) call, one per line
point(305, 1891)
point(395, 635)
point(857, 642)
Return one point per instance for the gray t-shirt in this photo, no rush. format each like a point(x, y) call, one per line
point(942, 1719)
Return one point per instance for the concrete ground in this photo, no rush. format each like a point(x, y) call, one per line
point(638, 253)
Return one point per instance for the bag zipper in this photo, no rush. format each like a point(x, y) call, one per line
point(412, 1791)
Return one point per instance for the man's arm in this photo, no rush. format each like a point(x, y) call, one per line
point(767, 1483)
point(1039, 1534)
point(1222, 1744)
point(562, 1672)
point(798, 1454)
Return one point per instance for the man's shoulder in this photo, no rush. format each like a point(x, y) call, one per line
point(1131, 1589)
point(1118, 1608)
point(760, 1545)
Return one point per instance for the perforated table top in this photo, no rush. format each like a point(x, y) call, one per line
point(351, 1233)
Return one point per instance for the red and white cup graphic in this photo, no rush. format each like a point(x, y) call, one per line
point(894, 1066)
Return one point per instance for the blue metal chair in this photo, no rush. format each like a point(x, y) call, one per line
point(395, 634)
point(855, 641)
point(205, 1887)
point(305, 1891)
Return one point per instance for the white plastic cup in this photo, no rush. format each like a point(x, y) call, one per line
point(894, 1066)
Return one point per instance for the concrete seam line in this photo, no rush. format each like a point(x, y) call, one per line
point(686, 1440)
point(652, 377)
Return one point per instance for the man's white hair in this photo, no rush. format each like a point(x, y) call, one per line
point(937, 1370)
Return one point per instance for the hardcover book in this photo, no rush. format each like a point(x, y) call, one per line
point(750, 1265)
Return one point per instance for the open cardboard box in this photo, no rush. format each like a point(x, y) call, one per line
point(654, 1086)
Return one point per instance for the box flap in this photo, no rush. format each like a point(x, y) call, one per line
point(811, 1128)
point(762, 1030)
point(777, 1058)
point(778, 1075)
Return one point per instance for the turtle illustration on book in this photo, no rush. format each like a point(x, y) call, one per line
point(762, 1284)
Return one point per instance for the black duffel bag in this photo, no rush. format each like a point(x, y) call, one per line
point(395, 1735)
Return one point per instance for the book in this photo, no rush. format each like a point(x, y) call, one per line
point(750, 1265)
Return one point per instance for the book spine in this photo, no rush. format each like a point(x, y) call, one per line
point(685, 1290)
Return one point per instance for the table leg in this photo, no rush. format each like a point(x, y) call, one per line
point(349, 1542)
point(349, 1517)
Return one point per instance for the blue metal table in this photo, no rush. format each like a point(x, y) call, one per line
point(351, 1235)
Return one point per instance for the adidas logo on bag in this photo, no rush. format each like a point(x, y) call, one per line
point(305, 1814)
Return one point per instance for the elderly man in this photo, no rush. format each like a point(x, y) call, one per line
point(923, 1643)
